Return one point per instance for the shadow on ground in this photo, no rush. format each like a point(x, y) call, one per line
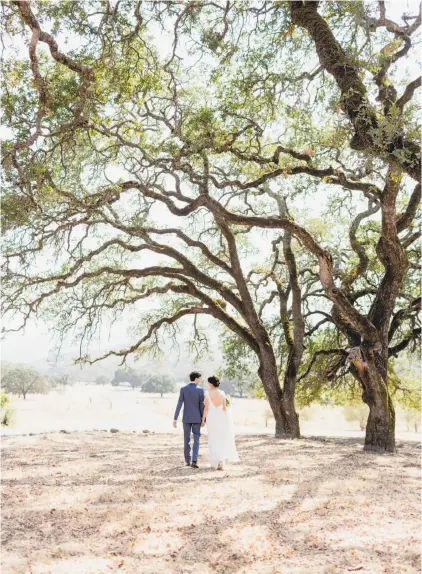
point(96, 503)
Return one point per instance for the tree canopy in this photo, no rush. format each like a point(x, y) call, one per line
point(158, 384)
point(177, 160)
point(101, 380)
point(22, 380)
point(123, 376)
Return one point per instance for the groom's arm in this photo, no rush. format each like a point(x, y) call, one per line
point(178, 407)
point(201, 404)
point(205, 412)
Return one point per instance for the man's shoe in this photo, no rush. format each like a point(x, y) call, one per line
point(194, 465)
point(188, 464)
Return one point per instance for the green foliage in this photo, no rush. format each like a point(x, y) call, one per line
point(7, 417)
point(158, 384)
point(413, 419)
point(356, 412)
point(328, 382)
point(236, 387)
point(64, 381)
point(204, 120)
point(101, 380)
point(307, 413)
point(21, 380)
point(240, 366)
point(257, 389)
point(121, 376)
point(404, 379)
point(4, 400)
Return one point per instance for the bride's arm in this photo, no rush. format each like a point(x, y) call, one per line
point(204, 416)
point(224, 401)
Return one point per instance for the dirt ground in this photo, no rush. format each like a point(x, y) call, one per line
point(96, 502)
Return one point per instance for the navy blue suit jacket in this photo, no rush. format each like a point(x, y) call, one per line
point(192, 399)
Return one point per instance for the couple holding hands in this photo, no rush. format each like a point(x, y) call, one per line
point(208, 408)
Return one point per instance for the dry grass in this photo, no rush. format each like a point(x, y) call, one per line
point(89, 407)
point(99, 503)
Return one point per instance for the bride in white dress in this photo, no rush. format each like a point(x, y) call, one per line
point(219, 420)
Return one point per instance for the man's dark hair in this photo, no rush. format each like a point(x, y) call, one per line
point(194, 375)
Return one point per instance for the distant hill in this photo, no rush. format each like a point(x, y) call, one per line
point(178, 368)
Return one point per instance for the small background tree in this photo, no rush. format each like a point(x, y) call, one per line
point(306, 414)
point(405, 379)
point(413, 419)
point(268, 416)
point(122, 376)
point(21, 380)
point(236, 387)
point(356, 412)
point(61, 380)
point(158, 384)
point(240, 367)
point(101, 380)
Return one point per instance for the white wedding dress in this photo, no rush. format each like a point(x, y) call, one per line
point(220, 427)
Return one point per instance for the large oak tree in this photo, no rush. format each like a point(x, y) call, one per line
point(120, 148)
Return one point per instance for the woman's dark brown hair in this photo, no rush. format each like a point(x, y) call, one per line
point(214, 381)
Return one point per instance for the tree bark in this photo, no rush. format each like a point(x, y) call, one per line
point(295, 339)
point(282, 402)
point(368, 365)
point(287, 421)
point(289, 389)
point(370, 136)
point(371, 372)
point(380, 427)
point(288, 424)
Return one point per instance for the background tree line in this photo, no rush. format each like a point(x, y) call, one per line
point(146, 383)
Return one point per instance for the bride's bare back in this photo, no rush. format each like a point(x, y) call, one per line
point(217, 398)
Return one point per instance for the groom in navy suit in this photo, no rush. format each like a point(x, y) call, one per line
point(192, 397)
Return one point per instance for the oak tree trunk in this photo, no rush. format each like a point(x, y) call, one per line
point(380, 427)
point(289, 389)
point(288, 423)
point(282, 402)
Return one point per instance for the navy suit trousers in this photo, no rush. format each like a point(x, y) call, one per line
point(195, 428)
